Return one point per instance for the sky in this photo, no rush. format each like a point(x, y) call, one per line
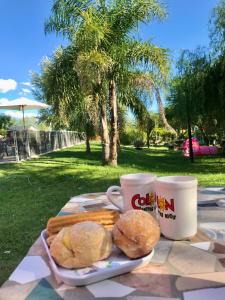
point(23, 43)
point(186, 26)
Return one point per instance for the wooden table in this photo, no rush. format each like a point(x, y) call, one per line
point(176, 267)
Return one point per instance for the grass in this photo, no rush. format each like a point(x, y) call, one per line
point(32, 191)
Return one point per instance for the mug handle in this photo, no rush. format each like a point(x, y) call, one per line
point(112, 198)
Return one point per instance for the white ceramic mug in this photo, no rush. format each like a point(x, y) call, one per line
point(137, 191)
point(176, 200)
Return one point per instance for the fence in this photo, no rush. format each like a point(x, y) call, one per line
point(18, 145)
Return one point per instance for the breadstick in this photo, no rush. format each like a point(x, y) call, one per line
point(103, 217)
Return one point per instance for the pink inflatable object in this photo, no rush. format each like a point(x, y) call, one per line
point(197, 149)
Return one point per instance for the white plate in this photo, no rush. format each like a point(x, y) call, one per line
point(115, 265)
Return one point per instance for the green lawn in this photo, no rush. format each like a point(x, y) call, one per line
point(32, 191)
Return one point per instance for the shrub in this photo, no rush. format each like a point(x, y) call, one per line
point(139, 144)
point(162, 135)
point(129, 135)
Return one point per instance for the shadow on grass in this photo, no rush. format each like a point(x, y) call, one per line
point(153, 160)
point(162, 161)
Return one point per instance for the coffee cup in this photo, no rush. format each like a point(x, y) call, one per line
point(136, 191)
point(176, 201)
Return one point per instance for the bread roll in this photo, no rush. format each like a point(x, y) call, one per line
point(81, 245)
point(136, 233)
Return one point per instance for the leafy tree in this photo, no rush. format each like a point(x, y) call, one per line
point(187, 89)
point(5, 122)
point(146, 125)
point(217, 28)
point(197, 93)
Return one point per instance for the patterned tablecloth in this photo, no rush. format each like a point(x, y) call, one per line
point(177, 267)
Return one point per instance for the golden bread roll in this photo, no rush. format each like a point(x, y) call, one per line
point(81, 245)
point(50, 239)
point(136, 233)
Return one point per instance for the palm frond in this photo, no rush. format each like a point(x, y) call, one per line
point(92, 67)
point(151, 57)
point(126, 15)
point(66, 16)
point(142, 80)
point(93, 32)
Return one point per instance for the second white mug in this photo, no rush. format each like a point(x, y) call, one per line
point(176, 198)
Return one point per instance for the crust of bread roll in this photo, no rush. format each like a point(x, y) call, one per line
point(81, 245)
point(136, 233)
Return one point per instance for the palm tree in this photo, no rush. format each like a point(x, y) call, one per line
point(162, 112)
point(107, 54)
point(79, 22)
point(60, 87)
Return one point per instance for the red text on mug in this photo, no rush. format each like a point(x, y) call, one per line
point(146, 203)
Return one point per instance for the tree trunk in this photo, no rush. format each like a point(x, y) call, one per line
point(88, 148)
point(113, 121)
point(87, 138)
point(162, 112)
point(149, 128)
point(87, 141)
point(104, 134)
point(191, 154)
point(148, 138)
point(205, 137)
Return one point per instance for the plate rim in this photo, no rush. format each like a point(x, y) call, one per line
point(139, 262)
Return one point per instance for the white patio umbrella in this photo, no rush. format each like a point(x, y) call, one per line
point(23, 104)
